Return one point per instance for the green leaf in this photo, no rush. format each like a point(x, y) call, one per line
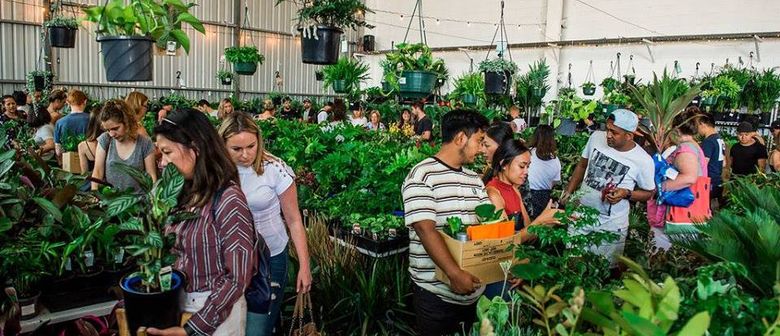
point(5, 224)
point(192, 20)
point(182, 39)
point(642, 326)
point(529, 271)
point(697, 325)
point(169, 186)
point(120, 204)
point(153, 239)
point(49, 207)
point(133, 224)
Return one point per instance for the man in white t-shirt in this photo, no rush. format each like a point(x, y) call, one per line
point(613, 170)
point(517, 123)
point(324, 112)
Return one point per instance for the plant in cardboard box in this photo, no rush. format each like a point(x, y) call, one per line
point(151, 294)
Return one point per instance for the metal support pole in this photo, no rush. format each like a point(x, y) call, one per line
point(237, 41)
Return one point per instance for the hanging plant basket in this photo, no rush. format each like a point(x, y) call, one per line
point(227, 81)
point(630, 79)
point(319, 76)
point(159, 310)
point(588, 90)
point(39, 82)
point(324, 49)
point(245, 68)
point(127, 58)
point(469, 99)
point(609, 108)
point(62, 37)
point(340, 86)
point(497, 83)
point(416, 84)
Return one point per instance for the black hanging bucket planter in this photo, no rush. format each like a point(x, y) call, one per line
point(588, 90)
point(159, 310)
point(319, 76)
point(630, 79)
point(127, 58)
point(324, 49)
point(417, 84)
point(62, 37)
point(245, 68)
point(227, 81)
point(497, 83)
point(39, 82)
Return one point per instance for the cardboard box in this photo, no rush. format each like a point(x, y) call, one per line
point(70, 162)
point(479, 257)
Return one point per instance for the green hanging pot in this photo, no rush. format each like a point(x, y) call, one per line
point(417, 84)
point(709, 101)
point(245, 68)
point(537, 92)
point(469, 99)
point(340, 86)
point(588, 90)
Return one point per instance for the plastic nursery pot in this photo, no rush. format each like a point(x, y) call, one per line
point(589, 91)
point(39, 81)
point(324, 49)
point(160, 310)
point(497, 83)
point(469, 99)
point(245, 68)
point(29, 306)
point(709, 101)
point(537, 93)
point(340, 86)
point(567, 127)
point(416, 84)
point(62, 37)
point(127, 58)
point(227, 81)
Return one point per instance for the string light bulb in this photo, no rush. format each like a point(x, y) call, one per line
point(468, 23)
point(438, 21)
point(402, 17)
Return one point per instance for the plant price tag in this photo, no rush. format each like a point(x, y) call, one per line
point(89, 258)
point(119, 255)
point(165, 278)
point(402, 80)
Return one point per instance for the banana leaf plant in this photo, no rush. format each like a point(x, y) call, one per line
point(144, 218)
point(661, 101)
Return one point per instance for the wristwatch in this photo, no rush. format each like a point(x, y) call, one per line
point(628, 196)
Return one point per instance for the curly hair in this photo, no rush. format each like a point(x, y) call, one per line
point(118, 111)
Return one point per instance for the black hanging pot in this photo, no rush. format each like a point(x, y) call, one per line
point(497, 83)
point(469, 99)
point(630, 79)
point(340, 86)
point(39, 82)
point(588, 90)
point(709, 101)
point(127, 58)
point(319, 76)
point(416, 84)
point(227, 81)
point(62, 37)
point(245, 68)
point(159, 310)
point(322, 49)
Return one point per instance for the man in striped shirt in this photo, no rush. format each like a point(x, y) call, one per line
point(437, 188)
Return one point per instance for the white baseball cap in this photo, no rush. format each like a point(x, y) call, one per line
point(625, 119)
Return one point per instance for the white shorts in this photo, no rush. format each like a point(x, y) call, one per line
point(234, 325)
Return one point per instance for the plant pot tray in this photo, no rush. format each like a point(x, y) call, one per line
point(99, 309)
point(57, 302)
point(373, 248)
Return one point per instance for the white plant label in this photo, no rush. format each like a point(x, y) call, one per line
point(89, 258)
point(28, 310)
point(67, 265)
point(402, 81)
point(119, 255)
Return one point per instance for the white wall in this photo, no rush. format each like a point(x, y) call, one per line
point(544, 20)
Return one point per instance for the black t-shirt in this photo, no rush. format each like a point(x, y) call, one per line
point(292, 114)
point(424, 125)
point(714, 149)
point(744, 159)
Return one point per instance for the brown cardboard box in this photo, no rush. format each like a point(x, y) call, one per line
point(70, 162)
point(479, 257)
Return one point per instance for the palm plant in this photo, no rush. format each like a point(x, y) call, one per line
point(345, 75)
point(748, 233)
point(532, 86)
point(469, 84)
point(661, 101)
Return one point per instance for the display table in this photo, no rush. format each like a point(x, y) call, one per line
point(98, 309)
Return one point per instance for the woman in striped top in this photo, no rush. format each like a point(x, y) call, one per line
point(217, 250)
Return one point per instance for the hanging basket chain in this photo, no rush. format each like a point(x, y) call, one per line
point(503, 37)
point(421, 22)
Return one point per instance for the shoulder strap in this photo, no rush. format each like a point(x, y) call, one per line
point(687, 147)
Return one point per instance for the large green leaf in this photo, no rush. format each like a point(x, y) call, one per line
point(121, 204)
point(132, 225)
point(697, 325)
point(153, 239)
point(181, 38)
point(5, 224)
point(49, 207)
point(642, 326)
point(170, 185)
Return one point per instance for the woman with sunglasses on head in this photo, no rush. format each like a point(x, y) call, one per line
point(273, 198)
point(217, 251)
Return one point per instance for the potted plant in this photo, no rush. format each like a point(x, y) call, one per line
point(610, 84)
point(25, 262)
point(539, 72)
point(321, 25)
point(70, 156)
point(531, 87)
point(126, 34)
point(225, 77)
point(630, 78)
point(151, 294)
point(588, 88)
point(62, 31)
point(319, 76)
point(470, 88)
point(244, 59)
point(412, 71)
point(498, 75)
point(345, 75)
point(39, 80)
point(572, 109)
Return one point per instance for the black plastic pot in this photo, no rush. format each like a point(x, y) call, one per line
point(324, 49)
point(340, 86)
point(39, 81)
point(319, 76)
point(567, 127)
point(227, 81)
point(160, 310)
point(245, 68)
point(417, 84)
point(630, 79)
point(29, 306)
point(62, 37)
point(127, 58)
point(497, 83)
point(766, 118)
point(588, 90)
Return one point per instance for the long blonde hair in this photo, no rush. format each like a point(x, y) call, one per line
point(221, 109)
point(136, 101)
point(238, 122)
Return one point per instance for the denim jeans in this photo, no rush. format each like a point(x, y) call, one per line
point(263, 324)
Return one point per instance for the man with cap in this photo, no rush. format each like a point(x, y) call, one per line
point(308, 114)
point(322, 116)
point(748, 156)
point(288, 112)
point(612, 171)
point(714, 149)
point(357, 118)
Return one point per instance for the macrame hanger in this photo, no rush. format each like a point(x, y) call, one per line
point(246, 24)
point(630, 66)
point(611, 69)
point(569, 77)
point(590, 77)
point(503, 37)
point(750, 61)
point(677, 68)
point(618, 66)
